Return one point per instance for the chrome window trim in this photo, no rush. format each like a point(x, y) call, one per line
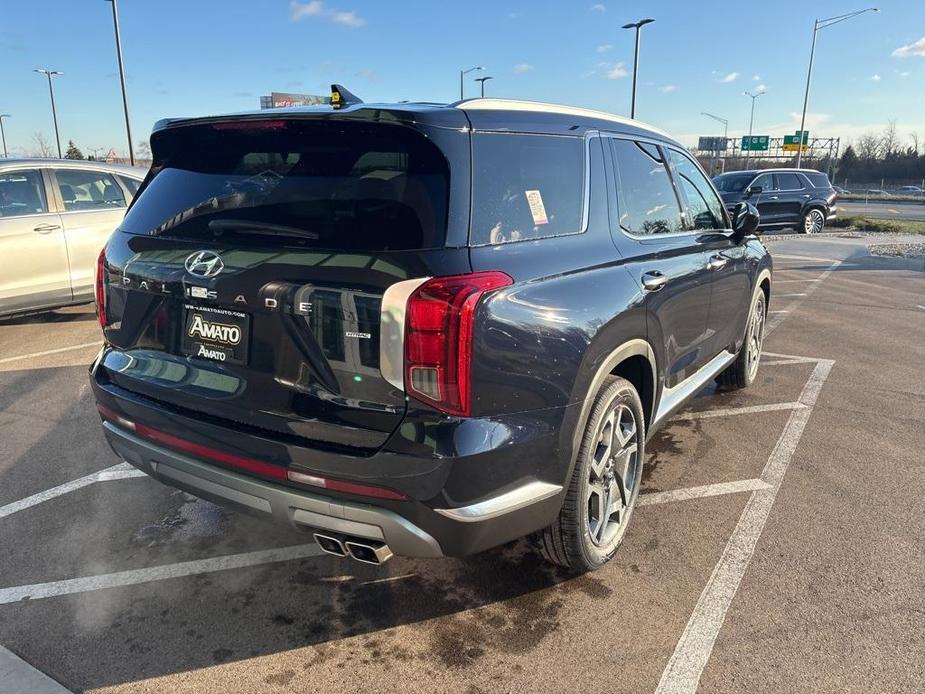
point(727, 231)
point(392, 330)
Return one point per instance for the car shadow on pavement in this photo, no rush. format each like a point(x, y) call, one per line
point(48, 317)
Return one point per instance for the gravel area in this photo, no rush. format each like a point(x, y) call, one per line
point(898, 250)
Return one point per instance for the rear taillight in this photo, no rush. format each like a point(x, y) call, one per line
point(101, 289)
point(438, 338)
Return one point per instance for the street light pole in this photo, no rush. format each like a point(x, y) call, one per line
point(637, 26)
point(463, 73)
point(751, 122)
point(128, 127)
point(2, 134)
point(725, 133)
point(482, 81)
point(51, 92)
point(817, 25)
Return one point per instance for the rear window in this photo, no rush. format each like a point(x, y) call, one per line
point(526, 187)
point(732, 182)
point(317, 184)
point(819, 180)
point(788, 181)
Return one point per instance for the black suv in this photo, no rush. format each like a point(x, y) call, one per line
point(801, 199)
point(421, 329)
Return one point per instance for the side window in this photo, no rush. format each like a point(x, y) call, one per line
point(131, 183)
point(526, 187)
point(819, 180)
point(88, 190)
point(705, 208)
point(645, 196)
point(22, 193)
point(788, 181)
point(765, 182)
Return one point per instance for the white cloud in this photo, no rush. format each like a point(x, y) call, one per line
point(731, 77)
point(916, 48)
point(875, 78)
point(588, 73)
point(603, 49)
point(614, 71)
point(522, 67)
point(904, 73)
point(756, 78)
point(317, 8)
point(598, 8)
point(761, 88)
point(668, 88)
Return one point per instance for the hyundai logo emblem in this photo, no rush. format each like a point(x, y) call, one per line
point(204, 264)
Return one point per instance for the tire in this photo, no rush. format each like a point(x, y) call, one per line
point(742, 372)
point(577, 539)
point(813, 221)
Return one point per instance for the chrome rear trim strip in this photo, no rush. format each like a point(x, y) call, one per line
point(528, 494)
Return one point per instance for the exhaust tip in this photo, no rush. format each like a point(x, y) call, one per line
point(369, 552)
point(331, 545)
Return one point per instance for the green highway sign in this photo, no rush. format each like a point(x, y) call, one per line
point(793, 142)
point(755, 143)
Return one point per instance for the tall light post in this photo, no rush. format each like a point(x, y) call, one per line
point(482, 81)
point(817, 25)
point(637, 26)
point(725, 133)
point(2, 134)
point(51, 92)
point(128, 127)
point(462, 74)
point(751, 122)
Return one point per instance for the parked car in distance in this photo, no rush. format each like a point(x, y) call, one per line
point(910, 190)
point(840, 190)
point(802, 199)
point(55, 216)
point(422, 329)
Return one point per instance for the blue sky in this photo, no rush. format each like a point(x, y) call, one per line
point(195, 57)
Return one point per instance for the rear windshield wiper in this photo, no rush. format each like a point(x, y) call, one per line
point(242, 225)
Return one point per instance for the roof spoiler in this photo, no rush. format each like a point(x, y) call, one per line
point(341, 97)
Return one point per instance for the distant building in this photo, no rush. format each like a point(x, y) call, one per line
point(284, 99)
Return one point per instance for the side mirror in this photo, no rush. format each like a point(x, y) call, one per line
point(752, 190)
point(745, 219)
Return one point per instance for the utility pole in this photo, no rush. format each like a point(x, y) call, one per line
point(637, 26)
point(725, 137)
point(751, 122)
point(482, 81)
point(128, 127)
point(817, 25)
point(3, 134)
point(462, 74)
point(51, 92)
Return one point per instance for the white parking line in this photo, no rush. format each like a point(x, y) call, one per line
point(803, 257)
point(748, 409)
point(116, 472)
point(922, 307)
point(784, 296)
point(778, 318)
point(815, 279)
point(693, 650)
point(6, 360)
point(704, 491)
point(132, 577)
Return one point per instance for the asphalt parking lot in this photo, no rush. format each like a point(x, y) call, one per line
point(779, 546)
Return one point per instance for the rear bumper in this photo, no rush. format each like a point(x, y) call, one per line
point(298, 508)
point(491, 490)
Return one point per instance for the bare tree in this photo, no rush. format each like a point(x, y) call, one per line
point(916, 142)
point(867, 147)
point(889, 140)
point(42, 145)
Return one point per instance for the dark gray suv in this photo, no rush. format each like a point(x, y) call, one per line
point(801, 199)
point(421, 329)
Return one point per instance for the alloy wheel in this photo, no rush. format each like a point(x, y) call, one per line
point(814, 222)
point(755, 338)
point(613, 475)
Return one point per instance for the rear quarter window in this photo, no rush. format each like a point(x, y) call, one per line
point(819, 180)
point(526, 187)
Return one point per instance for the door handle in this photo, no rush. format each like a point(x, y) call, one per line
point(46, 228)
point(717, 262)
point(805, 195)
point(654, 280)
point(773, 197)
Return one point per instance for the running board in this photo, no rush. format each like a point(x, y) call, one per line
point(673, 398)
